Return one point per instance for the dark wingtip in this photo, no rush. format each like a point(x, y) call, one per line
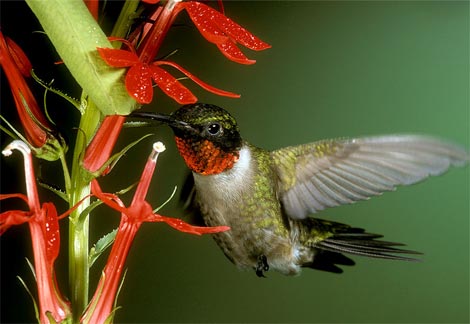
point(330, 261)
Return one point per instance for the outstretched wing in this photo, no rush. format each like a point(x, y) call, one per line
point(330, 173)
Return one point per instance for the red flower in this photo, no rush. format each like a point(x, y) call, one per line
point(213, 25)
point(132, 217)
point(44, 227)
point(38, 130)
point(223, 31)
point(140, 75)
point(102, 144)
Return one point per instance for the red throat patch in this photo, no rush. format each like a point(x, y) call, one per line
point(204, 157)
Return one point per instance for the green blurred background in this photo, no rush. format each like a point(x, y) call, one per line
point(335, 69)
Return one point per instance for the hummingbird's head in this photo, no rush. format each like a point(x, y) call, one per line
point(207, 136)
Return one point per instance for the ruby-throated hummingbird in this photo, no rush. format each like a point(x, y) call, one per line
point(268, 197)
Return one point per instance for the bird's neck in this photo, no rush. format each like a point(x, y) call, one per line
point(203, 157)
point(229, 186)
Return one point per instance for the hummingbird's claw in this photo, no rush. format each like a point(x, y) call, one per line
point(262, 266)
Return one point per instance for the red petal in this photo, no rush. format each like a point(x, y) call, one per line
point(202, 16)
point(213, 25)
point(13, 217)
point(233, 53)
point(139, 83)
point(111, 200)
point(237, 32)
point(118, 57)
point(52, 234)
point(20, 58)
point(18, 195)
point(172, 87)
point(182, 226)
point(198, 81)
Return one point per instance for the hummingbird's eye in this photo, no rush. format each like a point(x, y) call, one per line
point(214, 129)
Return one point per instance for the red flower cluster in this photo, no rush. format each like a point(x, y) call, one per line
point(213, 25)
point(140, 75)
point(43, 220)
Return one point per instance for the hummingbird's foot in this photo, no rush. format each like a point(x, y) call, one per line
point(262, 266)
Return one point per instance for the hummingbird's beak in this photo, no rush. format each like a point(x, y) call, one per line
point(167, 119)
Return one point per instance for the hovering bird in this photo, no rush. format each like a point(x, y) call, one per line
point(269, 198)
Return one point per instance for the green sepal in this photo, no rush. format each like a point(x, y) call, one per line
point(114, 159)
point(100, 246)
point(48, 87)
point(52, 150)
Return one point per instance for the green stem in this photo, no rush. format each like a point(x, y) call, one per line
point(65, 169)
point(124, 20)
point(80, 187)
point(79, 224)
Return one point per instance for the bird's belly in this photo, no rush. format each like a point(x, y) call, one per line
point(247, 202)
point(255, 231)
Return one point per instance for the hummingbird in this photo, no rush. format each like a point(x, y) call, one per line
point(270, 199)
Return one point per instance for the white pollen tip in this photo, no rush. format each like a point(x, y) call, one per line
point(159, 147)
point(16, 145)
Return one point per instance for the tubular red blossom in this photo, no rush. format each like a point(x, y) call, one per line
point(44, 227)
point(132, 218)
point(34, 122)
point(102, 144)
point(223, 32)
point(20, 58)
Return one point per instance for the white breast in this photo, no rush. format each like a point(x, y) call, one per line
point(228, 185)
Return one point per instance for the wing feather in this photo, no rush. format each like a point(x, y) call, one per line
point(330, 173)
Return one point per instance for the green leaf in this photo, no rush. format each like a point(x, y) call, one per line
point(51, 318)
point(101, 246)
point(83, 215)
point(59, 192)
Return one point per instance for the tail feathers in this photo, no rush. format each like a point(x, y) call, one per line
point(341, 238)
point(367, 247)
